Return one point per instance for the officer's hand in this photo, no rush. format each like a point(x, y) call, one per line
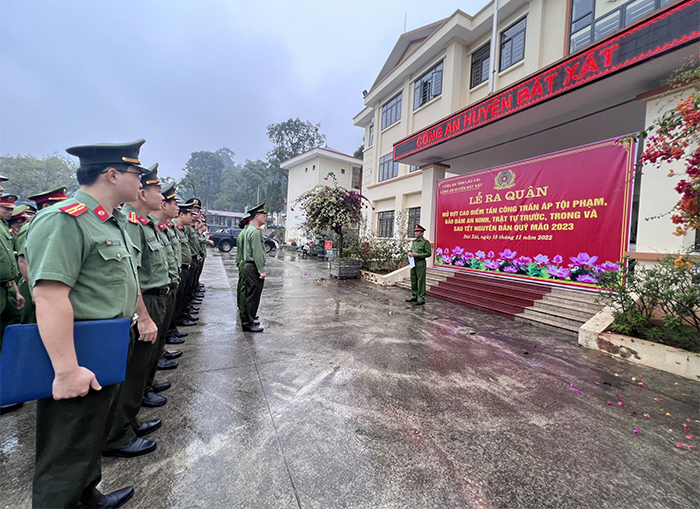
point(74, 383)
point(20, 301)
point(262, 275)
point(148, 331)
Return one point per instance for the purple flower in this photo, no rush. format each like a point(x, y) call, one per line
point(610, 266)
point(557, 259)
point(438, 251)
point(460, 263)
point(457, 251)
point(523, 260)
point(490, 264)
point(510, 268)
point(446, 259)
point(586, 278)
point(480, 255)
point(491, 254)
point(541, 259)
point(583, 259)
point(468, 255)
point(508, 254)
point(559, 272)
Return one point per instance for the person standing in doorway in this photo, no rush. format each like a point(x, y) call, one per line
point(420, 250)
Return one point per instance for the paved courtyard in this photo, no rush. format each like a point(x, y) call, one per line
point(354, 398)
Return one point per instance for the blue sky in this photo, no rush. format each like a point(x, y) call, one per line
point(192, 75)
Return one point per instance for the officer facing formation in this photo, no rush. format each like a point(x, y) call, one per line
point(420, 250)
point(240, 263)
point(254, 268)
point(82, 265)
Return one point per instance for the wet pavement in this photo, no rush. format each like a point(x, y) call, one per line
point(354, 398)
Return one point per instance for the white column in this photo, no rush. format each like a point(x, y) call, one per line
point(431, 174)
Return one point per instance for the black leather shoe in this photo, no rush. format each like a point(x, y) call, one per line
point(411, 300)
point(256, 322)
point(195, 301)
point(137, 447)
point(172, 340)
point(153, 400)
point(10, 408)
point(112, 500)
point(179, 334)
point(196, 309)
point(186, 323)
point(166, 364)
point(192, 311)
point(148, 427)
point(191, 318)
point(253, 328)
point(420, 303)
point(172, 355)
point(163, 386)
point(198, 295)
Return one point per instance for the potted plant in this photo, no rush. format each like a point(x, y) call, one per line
point(332, 208)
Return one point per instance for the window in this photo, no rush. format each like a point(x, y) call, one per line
point(371, 136)
point(638, 9)
point(385, 224)
point(313, 167)
point(513, 44)
point(607, 24)
point(413, 219)
point(388, 169)
point(427, 87)
point(391, 112)
point(306, 170)
point(413, 167)
point(342, 171)
point(480, 65)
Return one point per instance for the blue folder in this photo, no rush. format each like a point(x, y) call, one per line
point(26, 373)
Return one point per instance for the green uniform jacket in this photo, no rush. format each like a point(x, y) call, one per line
point(167, 245)
point(192, 239)
point(81, 245)
point(8, 263)
point(171, 231)
point(153, 267)
point(254, 247)
point(185, 251)
point(422, 249)
point(240, 242)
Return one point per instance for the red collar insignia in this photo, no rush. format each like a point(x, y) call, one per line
point(161, 227)
point(143, 220)
point(101, 213)
point(169, 224)
point(179, 227)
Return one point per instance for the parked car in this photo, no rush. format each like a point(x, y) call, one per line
point(226, 240)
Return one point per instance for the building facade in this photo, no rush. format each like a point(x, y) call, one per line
point(564, 73)
point(312, 168)
point(222, 219)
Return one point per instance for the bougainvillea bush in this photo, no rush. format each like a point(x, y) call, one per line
point(578, 269)
point(331, 208)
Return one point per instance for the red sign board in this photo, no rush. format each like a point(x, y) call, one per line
point(328, 244)
point(561, 218)
point(666, 31)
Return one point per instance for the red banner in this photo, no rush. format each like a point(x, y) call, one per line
point(561, 218)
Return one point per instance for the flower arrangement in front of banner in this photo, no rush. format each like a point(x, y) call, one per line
point(582, 269)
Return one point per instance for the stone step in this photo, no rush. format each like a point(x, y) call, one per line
point(575, 295)
point(583, 311)
point(588, 307)
point(548, 323)
point(482, 302)
point(560, 317)
point(512, 297)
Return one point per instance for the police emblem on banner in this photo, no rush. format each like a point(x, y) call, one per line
point(504, 180)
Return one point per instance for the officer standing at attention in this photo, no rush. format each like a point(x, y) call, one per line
point(420, 250)
point(184, 218)
point(82, 266)
point(11, 301)
point(254, 270)
point(240, 263)
point(127, 432)
point(42, 200)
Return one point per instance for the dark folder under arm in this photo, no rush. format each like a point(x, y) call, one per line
point(26, 373)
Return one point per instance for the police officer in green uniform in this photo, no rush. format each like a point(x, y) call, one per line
point(11, 301)
point(240, 263)
point(42, 200)
point(420, 250)
point(127, 431)
point(82, 266)
point(184, 218)
point(196, 251)
point(254, 269)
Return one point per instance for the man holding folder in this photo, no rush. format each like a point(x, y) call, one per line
point(82, 266)
point(420, 250)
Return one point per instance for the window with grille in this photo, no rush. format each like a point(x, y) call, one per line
point(370, 137)
point(391, 112)
point(385, 224)
point(388, 169)
point(413, 219)
point(480, 65)
point(427, 87)
point(513, 44)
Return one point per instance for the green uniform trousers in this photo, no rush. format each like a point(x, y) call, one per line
point(241, 288)
point(28, 312)
point(137, 371)
point(70, 435)
point(253, 291)
point(9, 314)
point(162, 335)
point(418, 280)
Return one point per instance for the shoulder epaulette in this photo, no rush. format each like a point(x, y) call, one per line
point(101, 213)
point(75, 209)
point(132, 217)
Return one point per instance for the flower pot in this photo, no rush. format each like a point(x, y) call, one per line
point(345, 269)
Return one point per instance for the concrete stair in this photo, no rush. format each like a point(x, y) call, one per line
point(560, 309)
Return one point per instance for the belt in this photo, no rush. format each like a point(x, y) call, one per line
point(158, 292)
point(173, 286)
point(7, 284)
point(185, 266)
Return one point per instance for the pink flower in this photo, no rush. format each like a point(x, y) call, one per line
point(577, 391)
point(597, 383)
point(636, 430)
point(620, 396)
point(619, 403)
point(609, 402)
point(688, 437)
point(634, 413)
point(572, 385)
point(680, 446)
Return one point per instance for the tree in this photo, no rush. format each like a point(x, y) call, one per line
point(30, 175)
point(247, 185)
point(203, 175)
point(291, 138)
point(332, 208)
point(359, 153)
